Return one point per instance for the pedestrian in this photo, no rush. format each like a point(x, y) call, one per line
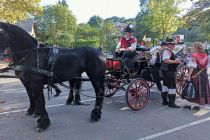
point(168, 68)
point(198, 74)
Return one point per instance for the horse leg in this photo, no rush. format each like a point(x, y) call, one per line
point(57, 90)
point(71, 93)
point(43, 121)
point(77, 98)
point(31, 108)
point(97, 83)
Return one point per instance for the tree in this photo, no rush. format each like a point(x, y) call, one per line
point(143, 5)
point(86, 36)
point(96, 21)
point(198, 19)
point(56, 26)
point(15, 10)
point(161, 17)
point(111, 34)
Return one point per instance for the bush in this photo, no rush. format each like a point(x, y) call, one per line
point(82, 42)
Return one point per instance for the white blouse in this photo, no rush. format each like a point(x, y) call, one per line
point(192, 63)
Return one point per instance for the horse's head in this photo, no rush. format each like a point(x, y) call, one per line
point(15, 37)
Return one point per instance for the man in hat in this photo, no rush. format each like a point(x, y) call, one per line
point(168, 67)
point(126, 47)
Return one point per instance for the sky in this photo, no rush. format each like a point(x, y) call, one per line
point(84, 9)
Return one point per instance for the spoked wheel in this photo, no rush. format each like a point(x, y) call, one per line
point(110, 88)
point(137, 94)
point(150, 84)
point(181, 73)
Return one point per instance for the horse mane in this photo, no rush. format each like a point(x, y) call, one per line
point(20, 37)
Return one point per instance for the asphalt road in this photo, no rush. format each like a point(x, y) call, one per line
point(72, 122)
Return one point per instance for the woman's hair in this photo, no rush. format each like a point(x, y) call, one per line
point(199, 47)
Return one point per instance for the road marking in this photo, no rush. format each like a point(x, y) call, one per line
point(174, 129)
point(50, 106)
point(10, 90)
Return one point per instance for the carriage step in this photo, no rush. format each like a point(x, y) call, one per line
point(82, 78)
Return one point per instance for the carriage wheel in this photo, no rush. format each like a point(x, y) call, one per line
point(150, 84)
point(110, 88)
point(137, 94)
point(181, 73)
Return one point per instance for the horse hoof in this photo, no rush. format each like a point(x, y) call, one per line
point(30, 112)
point(68, 102)
point(77, 103)
point(35, 115)
point(56, 95)
point(95, 115)
point(43, 123)
point(197, 108)
point(39, 130)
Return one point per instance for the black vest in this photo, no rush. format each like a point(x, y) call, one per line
point(169, 67)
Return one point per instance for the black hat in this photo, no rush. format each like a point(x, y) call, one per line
point(163, 43)
point(128, 28)
point(169, 40)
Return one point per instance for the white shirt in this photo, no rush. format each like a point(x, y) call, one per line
point(166, 54)
point(192, 63)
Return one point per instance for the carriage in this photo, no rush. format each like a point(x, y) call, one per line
point(135, 85)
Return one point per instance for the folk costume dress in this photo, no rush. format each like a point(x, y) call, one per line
point(199, 78)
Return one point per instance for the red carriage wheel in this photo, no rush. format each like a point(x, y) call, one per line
point(110, 88)
point(181, 73)
point(137, 94)
point(150, 84)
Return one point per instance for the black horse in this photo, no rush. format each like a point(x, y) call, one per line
point(70, 63)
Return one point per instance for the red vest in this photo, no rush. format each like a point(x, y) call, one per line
point(126, 43)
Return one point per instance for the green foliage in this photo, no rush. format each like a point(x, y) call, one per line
point(16, 10)
point(85, 31)
point(198, 19)
point(111, 34)
point(82, 42)
point(97, 31)
point(160, 18)
point(116, 19)
point(86, 36)
point(96, 21)
point(56, 26)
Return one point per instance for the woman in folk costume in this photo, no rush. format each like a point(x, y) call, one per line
point(198, 74)
point(168, 67)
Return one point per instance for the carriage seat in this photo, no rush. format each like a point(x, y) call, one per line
point(143, 49)
point(114, 64)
